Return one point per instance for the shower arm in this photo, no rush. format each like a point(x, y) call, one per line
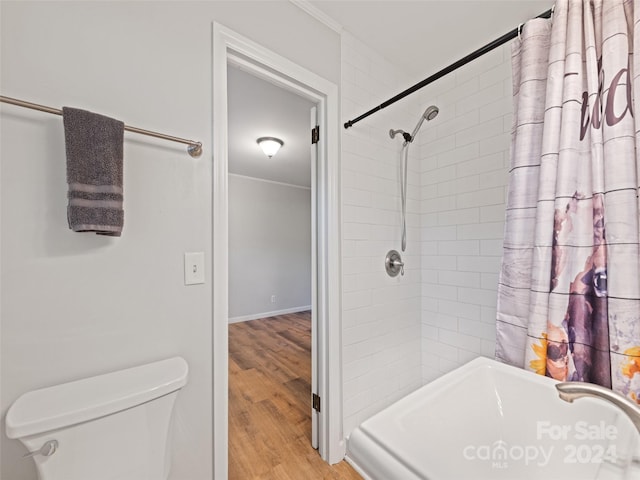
point(407, 137)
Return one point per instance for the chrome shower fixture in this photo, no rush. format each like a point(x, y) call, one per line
point(429, 114)
point(405, 135)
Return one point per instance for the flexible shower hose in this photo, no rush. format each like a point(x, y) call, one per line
point(404, 164)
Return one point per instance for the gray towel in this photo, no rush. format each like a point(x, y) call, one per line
point(94, 172)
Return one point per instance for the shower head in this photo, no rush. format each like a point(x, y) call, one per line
point(429, 114)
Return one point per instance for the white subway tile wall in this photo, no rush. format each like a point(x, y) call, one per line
point(403, 332)
point(381, 316)
point(464, 165)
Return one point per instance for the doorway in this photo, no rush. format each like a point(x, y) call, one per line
point(271, 294)
point(270, 199)
point(230, 47)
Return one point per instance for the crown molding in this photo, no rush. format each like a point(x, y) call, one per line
point(306, 6)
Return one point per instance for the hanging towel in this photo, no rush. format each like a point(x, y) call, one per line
point(94, 172)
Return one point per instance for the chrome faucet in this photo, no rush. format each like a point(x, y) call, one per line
point(569, 391)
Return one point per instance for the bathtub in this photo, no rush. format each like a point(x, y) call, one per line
point(487, 420)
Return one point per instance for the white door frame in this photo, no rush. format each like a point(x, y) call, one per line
point(229, 46)
point(313, 153)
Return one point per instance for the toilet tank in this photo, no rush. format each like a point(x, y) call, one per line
point(115, 426)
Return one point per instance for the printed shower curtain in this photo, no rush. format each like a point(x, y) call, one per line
point(569, 292)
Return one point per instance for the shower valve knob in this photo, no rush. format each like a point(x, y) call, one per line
point(400, 264)
point(393, 263)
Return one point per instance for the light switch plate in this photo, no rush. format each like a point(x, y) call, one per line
point(193, 268)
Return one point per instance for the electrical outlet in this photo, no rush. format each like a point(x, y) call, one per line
point(273, 299)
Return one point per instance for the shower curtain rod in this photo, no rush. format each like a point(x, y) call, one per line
point(463, 61)
point(194, 148)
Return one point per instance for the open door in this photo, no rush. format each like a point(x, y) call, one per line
point(230, 46)
point(315, 399)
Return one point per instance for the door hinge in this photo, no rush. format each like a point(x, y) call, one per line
point(315, 134)
point(316, 402)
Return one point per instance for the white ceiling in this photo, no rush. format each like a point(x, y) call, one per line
point(420, 36)
point(424, 36)
point(258, 108)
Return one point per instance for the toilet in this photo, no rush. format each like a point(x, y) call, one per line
point(115, 426)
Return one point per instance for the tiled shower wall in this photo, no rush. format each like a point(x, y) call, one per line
point(464, 164)
point(380, 315)
point(400, 333)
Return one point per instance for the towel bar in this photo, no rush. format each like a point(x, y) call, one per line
point(193, 148)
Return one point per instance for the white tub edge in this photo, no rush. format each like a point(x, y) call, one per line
point(357, 468)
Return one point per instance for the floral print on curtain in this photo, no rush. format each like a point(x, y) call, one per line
point(569, 292)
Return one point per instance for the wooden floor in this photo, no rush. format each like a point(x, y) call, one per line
point(270, 405)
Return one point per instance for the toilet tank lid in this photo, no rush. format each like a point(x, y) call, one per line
point(70, 403)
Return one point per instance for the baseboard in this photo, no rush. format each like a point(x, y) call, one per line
point(256, 316)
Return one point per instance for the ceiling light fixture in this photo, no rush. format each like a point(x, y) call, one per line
point(270, 145)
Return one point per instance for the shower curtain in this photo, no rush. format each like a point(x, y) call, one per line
point(569, 289)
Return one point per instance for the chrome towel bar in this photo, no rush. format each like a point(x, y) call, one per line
point(193, 148)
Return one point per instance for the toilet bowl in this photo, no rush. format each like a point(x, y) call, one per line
point(115, 426)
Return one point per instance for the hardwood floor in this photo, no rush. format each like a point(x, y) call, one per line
point(270, 404)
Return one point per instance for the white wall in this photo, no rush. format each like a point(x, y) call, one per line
point(269, 248)
point(381, 315)
point(79, 304)
point(463, 176)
